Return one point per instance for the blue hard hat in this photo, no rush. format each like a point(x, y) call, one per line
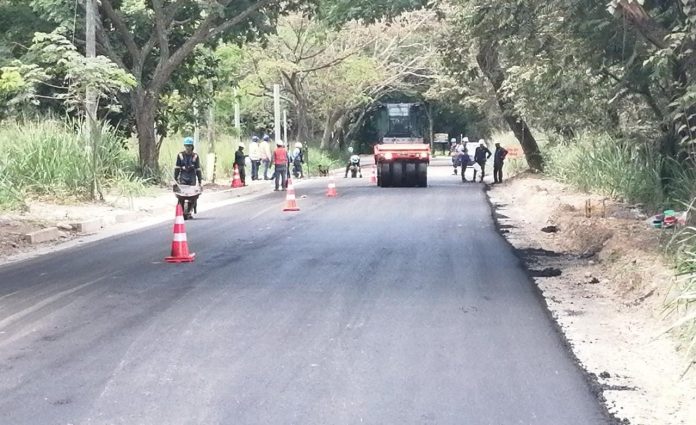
point(255, 139)
point(188, 141)
point(266, 138)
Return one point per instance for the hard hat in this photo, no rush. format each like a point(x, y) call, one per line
point(298, 145)
point(279, 143)
point(188, 141)
point(481, 141)
point(254, 139)
point(241, 145)
point(266, 138)
point(453, 140)
point(466, 139)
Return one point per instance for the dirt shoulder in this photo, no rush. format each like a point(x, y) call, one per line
point(114, 215)
point(605, 283)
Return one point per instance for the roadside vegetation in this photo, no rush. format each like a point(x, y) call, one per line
point(52, 159)
point(612, 167)
point(601, 95)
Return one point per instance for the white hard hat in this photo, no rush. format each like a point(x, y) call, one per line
point(298, 145)
point(481, 141)
point(279, 143)
point(241, 145)
point(454, 140)
point(466, 139)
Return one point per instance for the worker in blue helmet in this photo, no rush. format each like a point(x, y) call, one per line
point(188, 166)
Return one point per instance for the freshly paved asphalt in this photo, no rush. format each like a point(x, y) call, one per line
point(381, 306)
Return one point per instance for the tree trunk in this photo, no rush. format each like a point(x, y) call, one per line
point(302, 121)
point(297, 91)
point(355, 126)
point(145, 109)
point(329, 126)
point(487, 59)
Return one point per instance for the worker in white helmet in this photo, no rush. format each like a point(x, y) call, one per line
point(297, 161)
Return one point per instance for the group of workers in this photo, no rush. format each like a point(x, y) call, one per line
point(187, 170)
point(188, 167)
point(461, 158)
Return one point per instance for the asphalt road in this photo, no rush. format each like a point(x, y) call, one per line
point(381, 306)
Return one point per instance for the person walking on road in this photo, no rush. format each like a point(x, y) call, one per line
point(240, 162)
point(454, 155)
point(280, 161)
point(480, 157)
point(298, 160)
point(255, 157)
point(266, 156)
point(498, 161)
point(465, 161)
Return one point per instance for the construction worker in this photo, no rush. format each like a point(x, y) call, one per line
point(480, 157)
point(464, 160)
point(298, 160)
point(255, 157)
point(498, 160)
point(280, 161)
point(266, 156)
point(240, 162)
point(454, 155)
point(188, 166)
point(353, 161)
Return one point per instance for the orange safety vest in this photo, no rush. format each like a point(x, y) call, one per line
point(280, 156)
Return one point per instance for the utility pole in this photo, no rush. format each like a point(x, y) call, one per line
point(210, 135)
point(237, 117)
point(196, 123)
point(91, 95)
point(285, 125)
point(276, 111)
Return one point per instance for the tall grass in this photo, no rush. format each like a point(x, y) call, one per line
point(682, 302)
point(52, 158)
point(601, 164)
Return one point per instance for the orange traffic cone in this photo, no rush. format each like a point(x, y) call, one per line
point(373, 177)
point(290, 201)
point(180, 252)
point(236, 181)
point(331, 192)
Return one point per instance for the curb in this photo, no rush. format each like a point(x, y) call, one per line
point(44, 235)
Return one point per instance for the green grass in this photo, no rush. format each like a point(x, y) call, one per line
point(52, 158)
point(618, 169)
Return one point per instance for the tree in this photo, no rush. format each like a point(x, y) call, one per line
point(152, 40)
point(332, 75)
point(488, 26)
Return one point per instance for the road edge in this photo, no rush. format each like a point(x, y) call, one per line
point(591, 378)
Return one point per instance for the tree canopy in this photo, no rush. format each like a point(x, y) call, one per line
point(622, 67)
